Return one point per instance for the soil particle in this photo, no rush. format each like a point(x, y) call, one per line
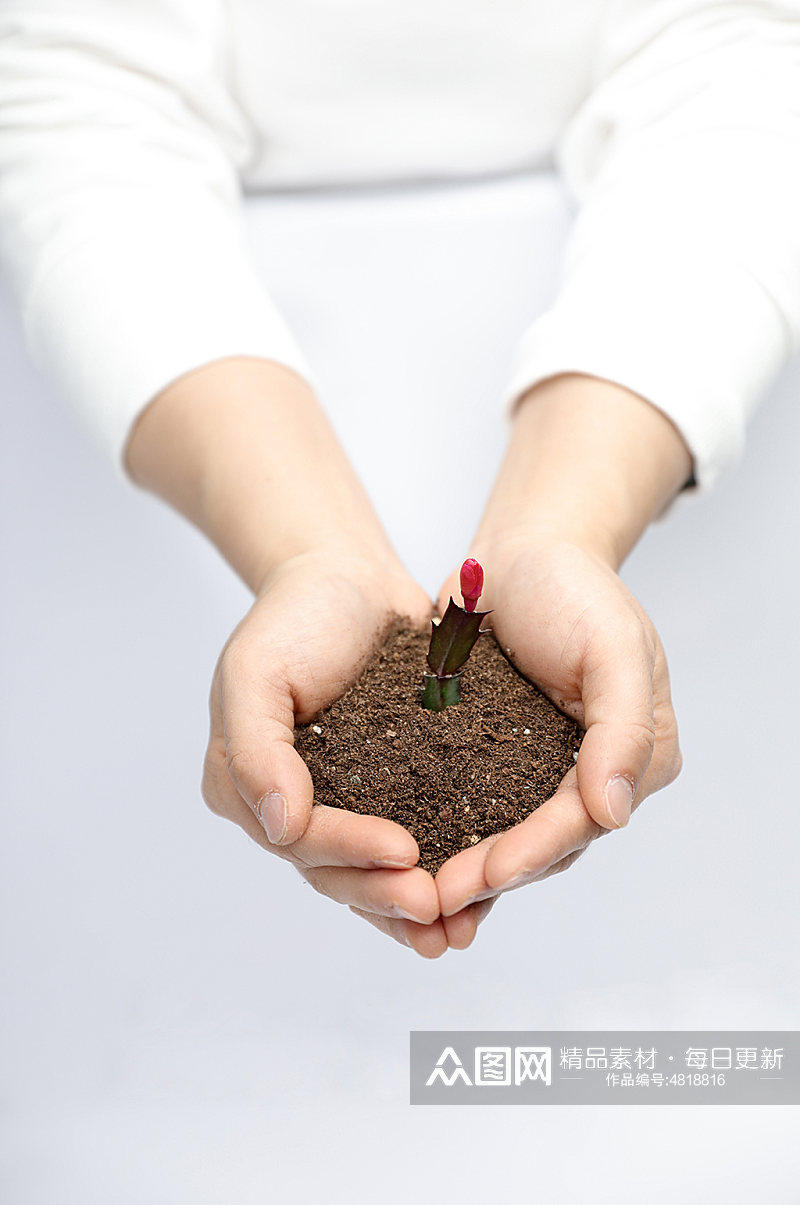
point(451, 777)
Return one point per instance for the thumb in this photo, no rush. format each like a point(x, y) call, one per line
point(617, 694)
point(269, 774)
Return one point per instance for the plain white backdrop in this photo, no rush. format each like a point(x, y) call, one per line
point(183, 1017)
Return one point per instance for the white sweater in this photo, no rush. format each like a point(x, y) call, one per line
point(129, 128)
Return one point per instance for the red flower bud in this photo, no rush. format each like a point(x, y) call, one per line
point(471, 583)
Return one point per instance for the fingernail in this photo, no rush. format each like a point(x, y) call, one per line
point(619, 799)
point(398, 911)
point(391, 864)
point(483, 895)
point(273, 814)
point(522, 876)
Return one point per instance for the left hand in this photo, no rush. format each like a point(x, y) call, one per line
point(575, 630)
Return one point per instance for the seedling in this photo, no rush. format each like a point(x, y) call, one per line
point(452, 640)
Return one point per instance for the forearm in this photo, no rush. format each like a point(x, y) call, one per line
point(242, 448)
point(588, 462)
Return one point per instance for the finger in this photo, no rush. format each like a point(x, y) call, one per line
point(407, 894)
point(554, 831)
point(617, 694)
point(461, 880)
point(554, 836)
point(427, 940)
point(257, 713)
point(336, 837)
point(333, 836)
point(667, 760)
point(392, 928)
point(461, 928)
point(559, 830)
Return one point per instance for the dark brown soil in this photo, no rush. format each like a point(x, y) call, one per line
point(451, 777)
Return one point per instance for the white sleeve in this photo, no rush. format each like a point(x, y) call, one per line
point(681, 276)
point(121, 231)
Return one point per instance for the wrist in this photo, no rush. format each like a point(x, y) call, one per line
point(373, 571)
point(242, 448)
point(588, 463)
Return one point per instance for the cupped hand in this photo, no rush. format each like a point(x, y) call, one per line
point(313, 625)
point(570, 625)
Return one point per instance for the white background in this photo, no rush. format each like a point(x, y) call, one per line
point(184, 1019)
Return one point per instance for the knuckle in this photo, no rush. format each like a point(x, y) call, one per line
point(595, 830)
point(632, 630)
point(646, 638)
point(676, 766)
point(564, 863)
point(239, 761)
point(212, 796)
point(642, 734)
point(671, 758)
point(235, 668)
point(235, 656)
point(318, 881)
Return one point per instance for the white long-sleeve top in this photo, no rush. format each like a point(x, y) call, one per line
point(129, 130)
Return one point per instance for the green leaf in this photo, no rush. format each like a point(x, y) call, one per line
point(453, 638)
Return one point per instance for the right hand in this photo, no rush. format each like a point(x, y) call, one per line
point(314, 623)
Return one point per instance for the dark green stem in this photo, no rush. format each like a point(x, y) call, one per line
point(439, 693)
